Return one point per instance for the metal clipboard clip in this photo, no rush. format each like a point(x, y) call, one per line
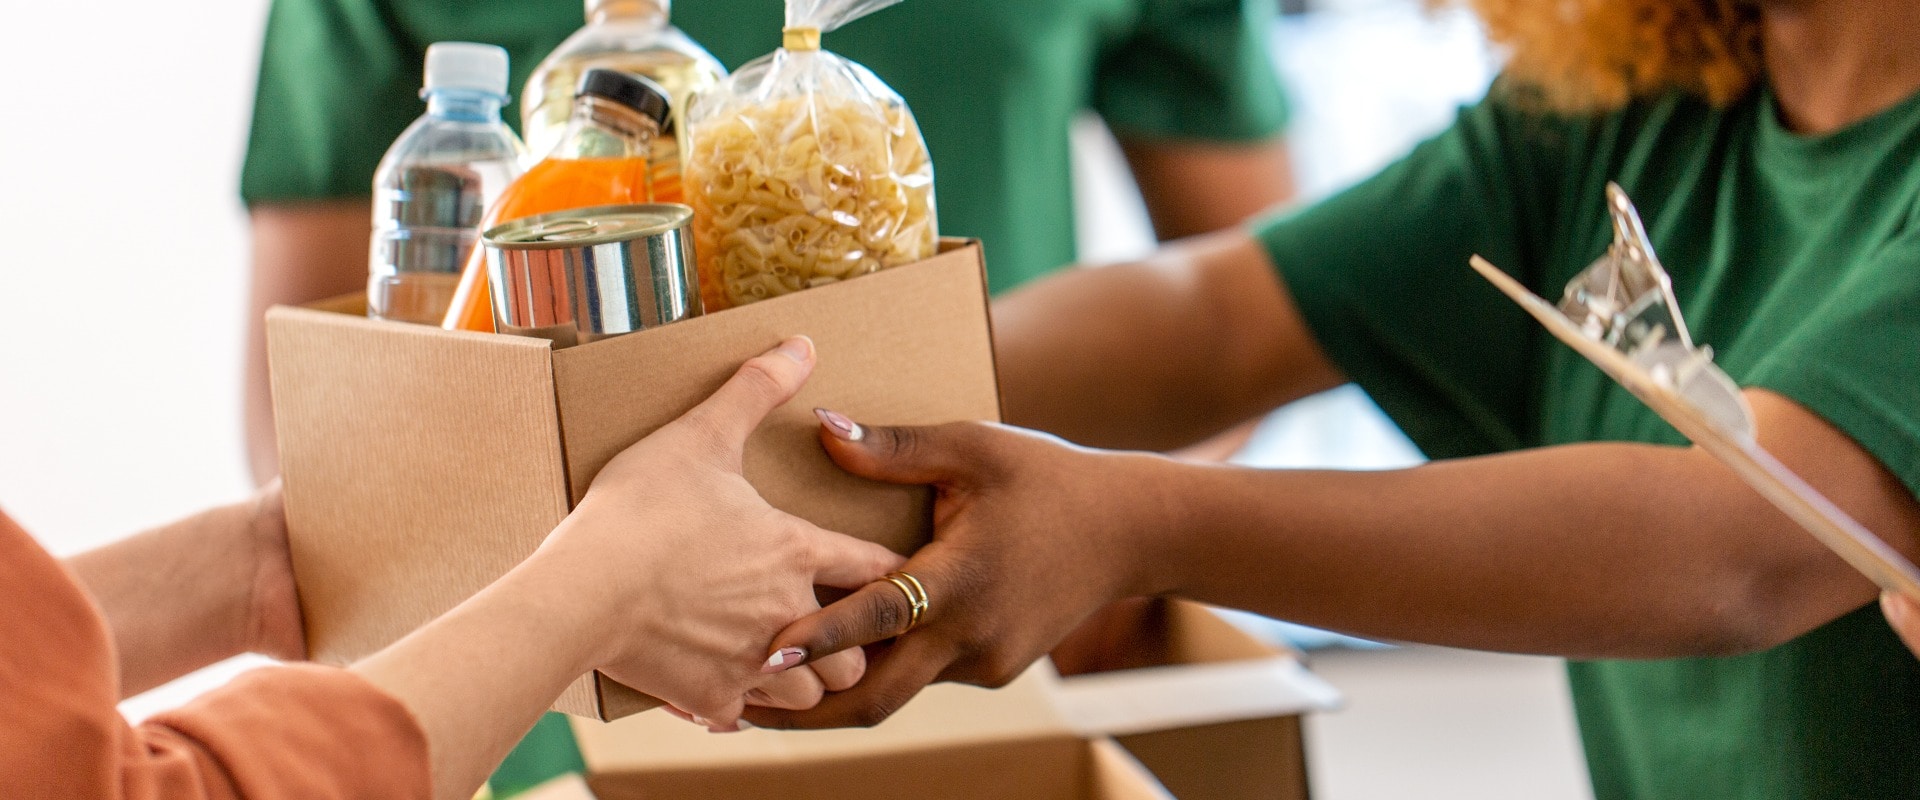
point(1620, 313)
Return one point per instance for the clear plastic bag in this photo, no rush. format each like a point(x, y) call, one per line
point(806, 169)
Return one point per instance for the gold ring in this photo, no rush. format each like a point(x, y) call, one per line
point(916, 597)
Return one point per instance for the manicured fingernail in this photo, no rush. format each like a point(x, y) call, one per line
point(1892, 607)
point(784, 659)
point(703, 722)
point(841, 427)
point(798, 348)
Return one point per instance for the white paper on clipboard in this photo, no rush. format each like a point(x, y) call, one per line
point(1630, 327)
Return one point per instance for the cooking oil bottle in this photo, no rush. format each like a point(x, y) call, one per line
point(632, 36)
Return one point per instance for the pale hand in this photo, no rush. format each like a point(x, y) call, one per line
point(710, 571)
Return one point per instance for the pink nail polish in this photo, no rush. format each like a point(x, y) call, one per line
point(785, 658)
point(841, 427)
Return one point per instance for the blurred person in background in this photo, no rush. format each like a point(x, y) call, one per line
point(1718, 650)
point(430, 715)
point(1188, 87)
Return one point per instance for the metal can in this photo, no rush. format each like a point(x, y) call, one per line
point(586, 274)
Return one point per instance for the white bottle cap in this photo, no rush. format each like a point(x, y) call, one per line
point(465, 65)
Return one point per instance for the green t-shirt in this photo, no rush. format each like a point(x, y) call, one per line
point(995, 87)
point(1796, 258)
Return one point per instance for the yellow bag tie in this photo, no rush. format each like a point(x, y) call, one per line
point(800, 38)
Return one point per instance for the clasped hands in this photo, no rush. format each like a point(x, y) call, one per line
point(705, 595)
point(726, 626)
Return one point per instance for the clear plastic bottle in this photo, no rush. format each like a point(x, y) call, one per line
point(435, 183)
point(632, 36)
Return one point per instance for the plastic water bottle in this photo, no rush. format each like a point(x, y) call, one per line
point(436, 182)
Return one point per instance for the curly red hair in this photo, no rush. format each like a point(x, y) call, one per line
point(1580, 55)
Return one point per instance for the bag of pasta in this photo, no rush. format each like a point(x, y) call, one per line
point(806, 169)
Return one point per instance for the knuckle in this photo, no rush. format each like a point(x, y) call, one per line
point(998, 671)
point(763, 377)
point(781, 611)
point(992, 679)
point(825, 639)
point(705, 429)
point(903, 443)
point(888, 614)
point(711, 704)
point(879, 710)
point(802, 547)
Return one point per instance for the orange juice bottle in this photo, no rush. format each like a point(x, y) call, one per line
point(602, 159)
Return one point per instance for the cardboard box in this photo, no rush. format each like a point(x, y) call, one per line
point(951, 743)
point(422, 464)
point(1213, 712)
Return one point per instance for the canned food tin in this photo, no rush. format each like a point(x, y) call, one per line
point(585, 274)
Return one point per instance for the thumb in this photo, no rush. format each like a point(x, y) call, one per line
point(934, 454)
point(764, 383)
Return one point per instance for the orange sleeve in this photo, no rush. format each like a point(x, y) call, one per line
point(281, 733)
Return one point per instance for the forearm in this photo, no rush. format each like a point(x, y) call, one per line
point(178, 597)
point(477, 678)
point(1592, 551)
point(1155, 355)
point(1193, 187)
point(301, 253)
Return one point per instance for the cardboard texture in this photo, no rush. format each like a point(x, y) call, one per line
point(1214, 713)
point(950, 743)
point(565, 787)
point(421, 464)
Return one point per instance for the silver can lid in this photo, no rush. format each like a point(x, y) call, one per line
point(588, 227)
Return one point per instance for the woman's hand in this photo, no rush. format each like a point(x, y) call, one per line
point(1032, 536)
point(1904, 615)
point(274, 626)
point(708, 572)
point(196, 591)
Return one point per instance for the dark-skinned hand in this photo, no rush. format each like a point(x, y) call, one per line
point(1032, 536)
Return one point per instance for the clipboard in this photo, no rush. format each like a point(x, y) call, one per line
point(1620, 314)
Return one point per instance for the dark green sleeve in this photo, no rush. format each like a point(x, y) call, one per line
point(337, 83)
point(340, 79)
point(1856, 361)
point(1194, 69)
point(1380, 273)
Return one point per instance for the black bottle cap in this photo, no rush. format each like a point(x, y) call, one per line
point(632, 91)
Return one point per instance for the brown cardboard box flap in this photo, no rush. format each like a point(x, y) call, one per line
point(565, 787)
point(936, 366)
point(1047, 769)
point(952, 742)
point(1211, 672)
point(1118, 775)
point(943, 715)
point(367, 412)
